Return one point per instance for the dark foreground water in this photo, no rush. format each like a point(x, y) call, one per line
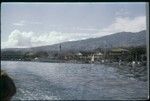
point(62, 81)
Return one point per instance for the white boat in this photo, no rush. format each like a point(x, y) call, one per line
point(92, 59)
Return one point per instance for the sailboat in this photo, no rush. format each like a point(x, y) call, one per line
point(92, 59)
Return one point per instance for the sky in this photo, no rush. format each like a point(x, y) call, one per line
point(36, 24)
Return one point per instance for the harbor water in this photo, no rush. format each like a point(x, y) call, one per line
point(68, 81)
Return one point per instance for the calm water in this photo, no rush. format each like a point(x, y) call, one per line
point(52, 81)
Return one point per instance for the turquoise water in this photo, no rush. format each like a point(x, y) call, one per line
point(66, 81)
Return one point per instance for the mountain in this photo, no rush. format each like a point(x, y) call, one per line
point(122, 39)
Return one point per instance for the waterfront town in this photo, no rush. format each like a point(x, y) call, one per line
point(98, 55)
point(135, 55)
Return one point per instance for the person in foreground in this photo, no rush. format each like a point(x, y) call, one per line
point(7, 87)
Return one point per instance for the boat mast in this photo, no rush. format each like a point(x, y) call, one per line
point(60, 51)
point(105, 51)
point(60, 48)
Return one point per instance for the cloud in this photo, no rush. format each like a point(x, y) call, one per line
point(22, 23)
point(18, 39)
point(124, 24)
point(86, 29)
point(77, 28)
point(122, 12)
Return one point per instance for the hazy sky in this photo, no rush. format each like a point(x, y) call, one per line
point(35, 24)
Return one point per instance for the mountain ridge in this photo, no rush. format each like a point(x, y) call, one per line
point(121, 39)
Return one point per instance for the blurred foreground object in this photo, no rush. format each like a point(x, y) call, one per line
point(8, 88)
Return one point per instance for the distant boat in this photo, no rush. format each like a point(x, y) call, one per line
point(92, 59)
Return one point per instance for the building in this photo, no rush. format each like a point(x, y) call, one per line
point(98, 56)
point(117, 54)
point(79, 55)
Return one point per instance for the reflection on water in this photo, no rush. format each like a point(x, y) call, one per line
point(51, 81)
